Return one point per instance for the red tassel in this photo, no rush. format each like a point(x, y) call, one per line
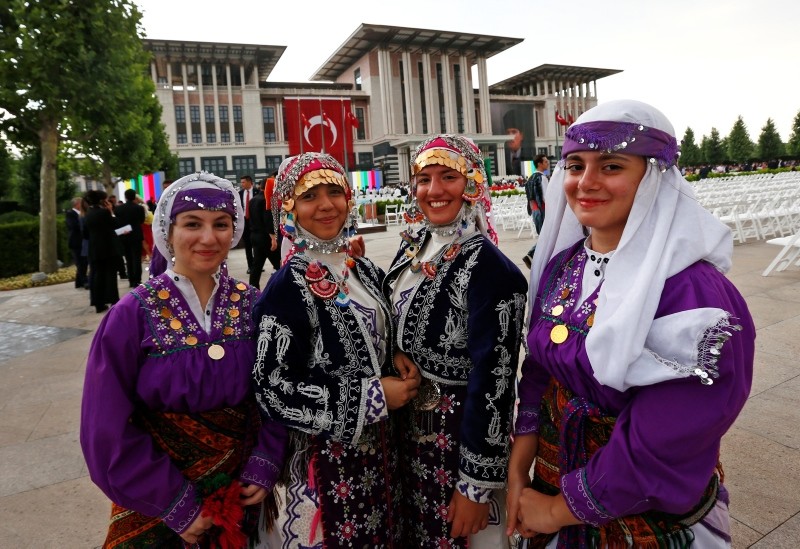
point(226, 512)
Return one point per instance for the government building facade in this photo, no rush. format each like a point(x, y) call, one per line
point(383, 91)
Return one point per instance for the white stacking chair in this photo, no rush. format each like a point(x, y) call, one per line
point(392, 214)
point(788, 255)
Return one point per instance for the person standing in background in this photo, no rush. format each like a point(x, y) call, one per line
point(246, 194)
point(535, 188)
point(104, 250)
point(131, 213)
point(262, 237)
point(75, 242)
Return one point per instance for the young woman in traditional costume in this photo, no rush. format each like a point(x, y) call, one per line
point(641, 351)
point(457, 305)
point(324, 368)
point(169, 424)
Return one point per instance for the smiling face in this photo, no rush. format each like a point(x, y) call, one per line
point(439, 190)
point(201, 241)
point(600, 188)
point(322, 210)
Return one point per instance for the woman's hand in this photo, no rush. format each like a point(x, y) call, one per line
point(274, 243)
point(405, 366)
point(357, 246)
point(197, 529)
point(541, 513)
point(252, 494)
point(516, 483)
point(466, 516)
point(399, 392)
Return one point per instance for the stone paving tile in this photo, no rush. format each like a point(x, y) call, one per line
point(770, 370)
point(69, 514)
point(39, 463)
point(762, 477)
point(18, 422)
point(774, 414)
point(767, 310)
point(742, 537)
point(785, 537)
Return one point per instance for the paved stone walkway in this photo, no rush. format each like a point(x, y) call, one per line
point(48, 501)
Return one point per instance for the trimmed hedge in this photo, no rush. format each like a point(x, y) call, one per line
point(19, 253)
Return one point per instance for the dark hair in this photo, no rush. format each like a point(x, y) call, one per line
point(539, 158)
point(94, 198)
point(130, 194)
point(247, 177)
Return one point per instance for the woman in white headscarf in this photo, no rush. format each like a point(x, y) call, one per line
point(640, 350)
point(169, 424)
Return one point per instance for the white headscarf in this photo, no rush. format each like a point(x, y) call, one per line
point(666, 232)
point(162, 219)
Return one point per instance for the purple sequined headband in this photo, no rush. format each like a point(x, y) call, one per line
point(622, 137)
point(213, 200)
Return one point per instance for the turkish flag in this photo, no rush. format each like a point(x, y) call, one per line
point(569, 118)
point(353, 120)
point(319, 125)
point(560, 119)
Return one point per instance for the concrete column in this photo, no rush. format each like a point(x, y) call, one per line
point(216, 102)
point(188, 118)
point(279, 133)
point(385, 78)
point(202, 103)
point(241, 78)
point(449, 104)
point(483, 97)
point(404, 160)
point(169, 74)
point(427, 81)
point(255, 75)
point(467, 99)
point(230, 103)
point(408, 91)
point(154, 73)
point(501, 159)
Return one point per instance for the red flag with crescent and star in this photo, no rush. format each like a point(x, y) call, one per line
point(561, 120)
point(318, 125)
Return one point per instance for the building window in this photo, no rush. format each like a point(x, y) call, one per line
point(180, 114)
point(459, 98)
point(357, 78)
point(182, 138)
point(194, 113)
point(542, 150)
point(273, 163)
point(403, 98)
point(226, 137)
point(238, 129)
point(197, 137)
point(185, 166)
point(423, 103)
point(361, 130)
point(223, 113)
point(440, 90)
point(365, 161)
point(209, 114)
point(268, 115)
point(214, 164)
point(211, 137)
point(244, 165)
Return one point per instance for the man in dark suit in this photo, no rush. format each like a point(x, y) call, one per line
point(132, 213)
point(75, 242)
point(246, 194)
point(262, 236)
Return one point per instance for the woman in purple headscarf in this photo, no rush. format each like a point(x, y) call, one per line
point(169, 424)
point(640, 350)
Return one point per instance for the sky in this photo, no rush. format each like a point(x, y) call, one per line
point(703, 63)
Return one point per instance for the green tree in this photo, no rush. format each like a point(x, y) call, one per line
point(770, 146)
point(26, 182)
point(690, 152)
point(713, 152)
point(793, 147)
point(5, 170)
point(740, 148)
point(64, 65)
